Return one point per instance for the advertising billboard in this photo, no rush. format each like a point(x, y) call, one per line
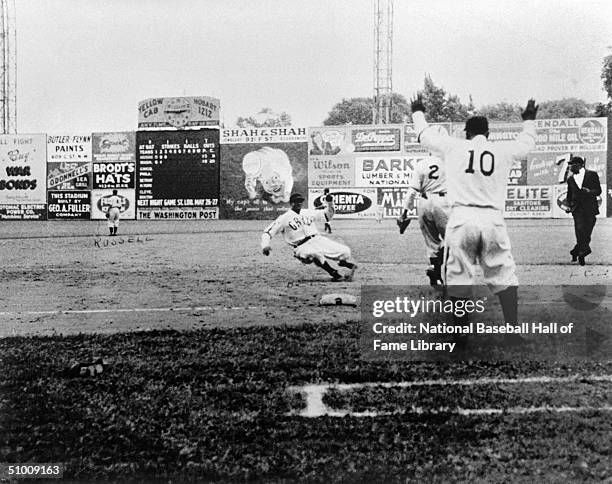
point(384, 170)
point(331, 171)
point(69, 205)
point(100, 204)
point(528, 201)
point(178, 112)
point(69, 161)
point(376, 139)
point(257, 179)
point(350, 203)
point(23, 172)
point(391, 201)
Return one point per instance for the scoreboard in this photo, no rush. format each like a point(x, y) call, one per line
point(178, 174)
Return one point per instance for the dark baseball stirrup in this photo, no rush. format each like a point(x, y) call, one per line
point(304, 240)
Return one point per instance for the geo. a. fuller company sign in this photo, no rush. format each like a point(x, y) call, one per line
point(178, 112)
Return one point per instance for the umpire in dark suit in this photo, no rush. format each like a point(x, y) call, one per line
point(583, 188)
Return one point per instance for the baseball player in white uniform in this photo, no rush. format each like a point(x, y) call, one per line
point(300, 231)
point(429, 180)
point(114, 213)
point(477, 175)
point(327, 227)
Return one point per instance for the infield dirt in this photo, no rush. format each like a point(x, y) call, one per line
point(70, 277)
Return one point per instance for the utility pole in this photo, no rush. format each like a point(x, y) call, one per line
point(8, 67)
point(383, 58)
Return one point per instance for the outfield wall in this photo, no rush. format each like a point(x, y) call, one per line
point(236, 173)
point(373, 157)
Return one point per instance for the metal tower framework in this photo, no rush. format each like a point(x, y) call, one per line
point(383, 56)
point(8, 68)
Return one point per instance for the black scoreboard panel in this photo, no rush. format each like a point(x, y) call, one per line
point(177, 169)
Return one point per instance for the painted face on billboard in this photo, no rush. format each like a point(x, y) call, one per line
point(270, 169)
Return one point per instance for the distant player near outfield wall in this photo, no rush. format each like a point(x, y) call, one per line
point(327, 227)
point(300, 231)
point(114, 213)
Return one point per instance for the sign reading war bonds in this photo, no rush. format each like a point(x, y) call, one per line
point(23, 170)
point(178, 174)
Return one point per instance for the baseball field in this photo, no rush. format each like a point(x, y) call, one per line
point(220, 365)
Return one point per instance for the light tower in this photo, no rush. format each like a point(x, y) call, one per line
point(383, 57)
point(8, 68)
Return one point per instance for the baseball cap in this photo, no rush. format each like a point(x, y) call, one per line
point(296, 197)
point(477, 124)
point(576, 159)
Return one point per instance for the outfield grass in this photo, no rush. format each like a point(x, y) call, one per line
point(211, 405)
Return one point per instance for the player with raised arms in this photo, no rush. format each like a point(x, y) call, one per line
point(477, 175)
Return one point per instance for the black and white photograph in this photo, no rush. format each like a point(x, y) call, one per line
point(274, 241)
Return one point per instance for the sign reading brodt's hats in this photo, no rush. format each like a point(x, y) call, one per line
point(178, 112)
point(114, 160)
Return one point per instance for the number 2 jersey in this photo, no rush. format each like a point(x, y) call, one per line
point(477, 169)
point(428, 176)
point(294, 226)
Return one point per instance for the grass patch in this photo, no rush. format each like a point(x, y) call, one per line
point(211, 405)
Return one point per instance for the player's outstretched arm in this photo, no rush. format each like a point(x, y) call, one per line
point(270, 231)
point(525, 141)
point(431, 139)
point(531, 111)
point(416, 104)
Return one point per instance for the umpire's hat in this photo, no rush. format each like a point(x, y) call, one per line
point(477, 125)
point(576, 159)
point(295, 198)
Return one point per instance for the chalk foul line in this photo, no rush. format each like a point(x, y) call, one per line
point(128, 310)
point(315, 407)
